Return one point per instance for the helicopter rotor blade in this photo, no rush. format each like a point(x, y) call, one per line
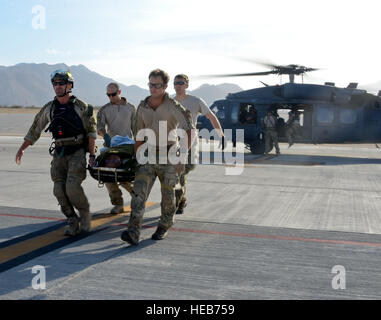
point(311, 69)
point(290, 69)
point(281, 69)
point(264, 63)
point(238, 74)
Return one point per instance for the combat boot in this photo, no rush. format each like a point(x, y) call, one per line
point(130, 237)
point(73, 226)
point(180, 209)
point(117, 209)
point(160, 233)
point(85, 221)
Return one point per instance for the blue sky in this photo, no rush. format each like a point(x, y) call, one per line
point(125, 40)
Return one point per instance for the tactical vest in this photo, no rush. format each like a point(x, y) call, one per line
point(66, 127)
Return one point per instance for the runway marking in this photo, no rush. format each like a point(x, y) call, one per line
point(264, 236)
point(32, 217)
point(24, 248)
point(102, 219)
point(287, 186)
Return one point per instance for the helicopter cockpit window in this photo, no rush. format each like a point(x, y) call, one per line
point(234, 114)
point(324, 115)
point(348, 116)
point(219, 111)
point(247, 113)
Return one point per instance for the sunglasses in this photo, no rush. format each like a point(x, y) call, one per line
point(112, 94)
point(179, 83)
point(59, 83)
point(156, 85)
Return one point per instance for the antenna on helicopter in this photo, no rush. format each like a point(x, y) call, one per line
point(265, 84)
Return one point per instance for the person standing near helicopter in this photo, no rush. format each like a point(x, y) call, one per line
point(293, 125)
point(270, 125)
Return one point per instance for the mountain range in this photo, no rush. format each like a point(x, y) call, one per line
point(28, 84)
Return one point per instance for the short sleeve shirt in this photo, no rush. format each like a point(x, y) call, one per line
point(164, 121)
point(119, 119)
point(196, 106)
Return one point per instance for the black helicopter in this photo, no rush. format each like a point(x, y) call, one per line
point(328, 113)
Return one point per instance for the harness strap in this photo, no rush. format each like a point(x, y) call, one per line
point(69, 141)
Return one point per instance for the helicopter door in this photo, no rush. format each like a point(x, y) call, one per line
point(349, 124)
point(306, 124)
point(371, 123)
point(305, 121)
point(245, 116)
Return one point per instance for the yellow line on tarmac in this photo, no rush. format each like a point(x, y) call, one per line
point(29, 245)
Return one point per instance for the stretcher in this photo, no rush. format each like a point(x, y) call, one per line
point(115, 164)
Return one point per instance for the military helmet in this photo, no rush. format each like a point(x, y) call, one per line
point(62, 74)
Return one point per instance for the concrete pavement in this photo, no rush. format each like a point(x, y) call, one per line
point(280, 230)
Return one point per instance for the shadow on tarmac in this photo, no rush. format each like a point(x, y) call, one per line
point(64, 258)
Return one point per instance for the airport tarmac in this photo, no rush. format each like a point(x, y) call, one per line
point(304, 225)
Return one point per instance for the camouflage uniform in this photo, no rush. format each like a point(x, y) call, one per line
point(67, 171)
point(119, 120)
point(181, 194)
point(271, 133)
point(175, 114)
point(293, 126)
point(144, 180)
point(196, 106)
point(116, 195)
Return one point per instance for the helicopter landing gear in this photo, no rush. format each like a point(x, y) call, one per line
point(257, 147)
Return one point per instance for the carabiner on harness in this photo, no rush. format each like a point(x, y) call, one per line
point(52, 148)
